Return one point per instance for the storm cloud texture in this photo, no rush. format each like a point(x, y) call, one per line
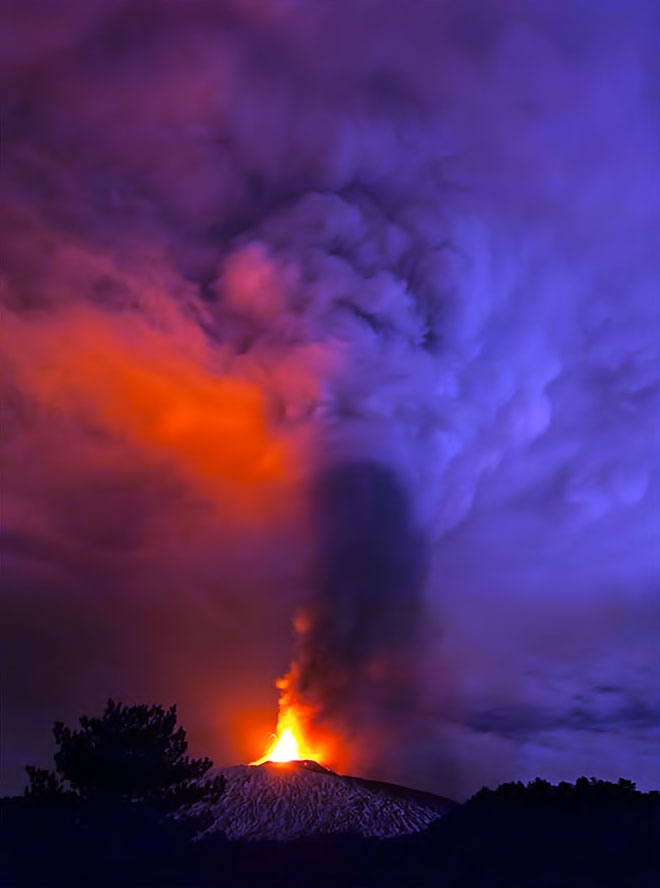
point(343, 311)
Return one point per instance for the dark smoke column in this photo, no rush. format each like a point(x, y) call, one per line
point(355, 664)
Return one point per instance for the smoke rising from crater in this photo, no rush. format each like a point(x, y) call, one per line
point(347, 308)
point(355, 661)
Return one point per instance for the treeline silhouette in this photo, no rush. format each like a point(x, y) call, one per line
point(133, 753)
point(102, 817)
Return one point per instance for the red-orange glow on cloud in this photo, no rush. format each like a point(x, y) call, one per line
point(118, 376)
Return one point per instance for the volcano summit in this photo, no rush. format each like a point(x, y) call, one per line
point(284, 801)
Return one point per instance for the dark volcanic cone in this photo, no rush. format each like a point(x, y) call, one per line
point(297, 799)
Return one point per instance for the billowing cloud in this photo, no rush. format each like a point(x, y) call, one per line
point(265, 260)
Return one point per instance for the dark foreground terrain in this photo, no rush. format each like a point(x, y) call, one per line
point(588, 835)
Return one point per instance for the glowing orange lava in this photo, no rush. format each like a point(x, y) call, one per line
point(285, 749)
point(291, 741)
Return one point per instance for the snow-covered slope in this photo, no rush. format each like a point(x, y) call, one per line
point(299, 799)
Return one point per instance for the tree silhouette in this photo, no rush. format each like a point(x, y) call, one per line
point(136, 753)
point(43, 784)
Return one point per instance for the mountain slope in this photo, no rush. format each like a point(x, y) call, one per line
point(298, 799)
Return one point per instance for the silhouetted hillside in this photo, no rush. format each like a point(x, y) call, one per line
point(588, 835)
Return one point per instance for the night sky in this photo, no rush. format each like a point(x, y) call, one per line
point(341, 312)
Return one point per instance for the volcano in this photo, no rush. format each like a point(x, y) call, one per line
point(292, 800)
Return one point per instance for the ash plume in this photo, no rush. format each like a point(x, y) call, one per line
point(355, 663)
point(345, 310)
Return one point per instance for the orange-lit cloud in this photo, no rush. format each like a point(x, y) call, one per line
point(116, 376)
